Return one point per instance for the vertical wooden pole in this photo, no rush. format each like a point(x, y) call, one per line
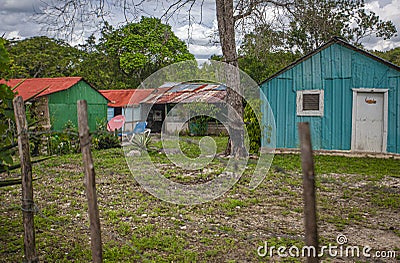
point(310, 214)
point(26, 174)
point(90, 182)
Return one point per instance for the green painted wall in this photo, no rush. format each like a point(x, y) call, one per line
point(336, 70)
point(62, 106)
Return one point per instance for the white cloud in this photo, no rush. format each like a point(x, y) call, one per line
point(387, 10)
point(381, 3)
point(17, 22)
point(382, 45)
point(202, 12)
point(13, 35)
point(196, 34)
point(204, 51)
point(200, 39)
point(15, 18)
point(25, 6)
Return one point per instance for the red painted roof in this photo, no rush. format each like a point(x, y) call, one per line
point(124, 97)
point(41, 86)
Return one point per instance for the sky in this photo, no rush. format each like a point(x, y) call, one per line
point(16, 21)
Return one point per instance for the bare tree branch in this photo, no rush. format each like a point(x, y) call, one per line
point(248, 8)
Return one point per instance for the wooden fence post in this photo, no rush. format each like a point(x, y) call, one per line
point(26, 177)
point(310, 214)
point(90, 182)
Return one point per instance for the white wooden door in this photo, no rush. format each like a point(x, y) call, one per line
point(369, 121)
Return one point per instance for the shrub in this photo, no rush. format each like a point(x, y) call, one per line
point(103, 139)
point(66, 141)
point(253, 127)
point(200, 114)
point(141, 141)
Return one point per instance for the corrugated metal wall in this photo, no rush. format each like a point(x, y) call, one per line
point(62, 106)
point(336, 70)
point(393, 144)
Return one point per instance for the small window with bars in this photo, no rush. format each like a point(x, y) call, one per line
point(310, 103)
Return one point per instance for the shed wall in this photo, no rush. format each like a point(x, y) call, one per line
point(336, 70)
point(62, 106)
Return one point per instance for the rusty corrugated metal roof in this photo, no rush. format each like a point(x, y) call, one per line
point(189, 92)
point(186, 87)
point(212, 96)
point(155, 95)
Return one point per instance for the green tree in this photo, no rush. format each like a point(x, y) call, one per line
point(6, 112)
point(145, 47)
point(392, 55)
point(314, 22)
point(40, 57)
point(100, 68)
point(261, 53)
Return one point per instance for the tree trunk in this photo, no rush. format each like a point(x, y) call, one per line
point(226, 28)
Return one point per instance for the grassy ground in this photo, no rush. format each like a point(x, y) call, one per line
point(357, 197)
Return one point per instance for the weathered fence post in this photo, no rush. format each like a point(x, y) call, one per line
point(26, 177)
point(90, 182)
point(310, 214)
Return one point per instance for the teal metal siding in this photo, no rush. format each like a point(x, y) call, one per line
point(336, 70)
point(393, 144)
point(337, 118)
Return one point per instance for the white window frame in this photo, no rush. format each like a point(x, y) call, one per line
point(299, 103)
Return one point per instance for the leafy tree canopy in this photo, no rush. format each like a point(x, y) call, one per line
point(102, 69)
point(6, 112)
point(392, 55)
point(143, 48)
point(261, 53)
point(314, 22)
point(41, 56)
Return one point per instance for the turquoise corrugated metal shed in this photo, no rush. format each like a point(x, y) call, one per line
point(350, 97)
